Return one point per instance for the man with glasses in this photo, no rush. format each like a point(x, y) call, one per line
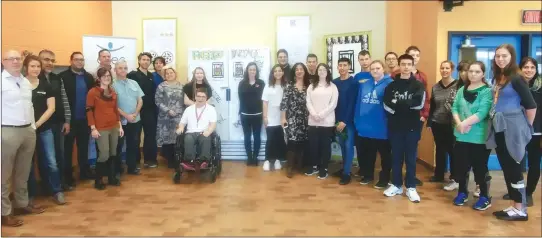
point(391, 63)
point(60, 121)
point(77, 82)
point(18, 139)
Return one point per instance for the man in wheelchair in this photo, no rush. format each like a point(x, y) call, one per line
point(200, 122)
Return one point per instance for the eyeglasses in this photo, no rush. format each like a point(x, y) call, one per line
point(13, 59)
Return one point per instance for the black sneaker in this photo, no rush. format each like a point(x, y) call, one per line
point(506, 197)
point(381, 185)
point(311, 171)
point(345, 179)
point(366, 180)
point(322, 174)
point(338, 173)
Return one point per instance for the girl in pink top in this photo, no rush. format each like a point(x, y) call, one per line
point(322, 96)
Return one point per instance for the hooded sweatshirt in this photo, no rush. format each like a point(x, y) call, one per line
point(403, 100)
point(370, 116)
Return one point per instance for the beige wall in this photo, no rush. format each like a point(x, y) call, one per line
point(55, 25)
point(223, 24)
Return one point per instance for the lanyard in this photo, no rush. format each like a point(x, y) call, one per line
point(199, 116)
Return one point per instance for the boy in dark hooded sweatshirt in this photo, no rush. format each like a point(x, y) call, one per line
point(403, 100)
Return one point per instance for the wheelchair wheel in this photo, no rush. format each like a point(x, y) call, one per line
point(177, 175)
point(213, 174)
point(218, 155)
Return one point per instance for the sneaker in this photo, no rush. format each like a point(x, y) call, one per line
point(461, 199)
point(312, 171)
point(451, 186)
point(512, 214)
point(322, 174)
point(366, 180)
point(266, 165)
point(345, 179)
point(381, 185)
point(506, 197)
point(392, 191)
point(277, 165)
point(476, 192)
point(412, 195)
point(59, 199)
point(482, 204)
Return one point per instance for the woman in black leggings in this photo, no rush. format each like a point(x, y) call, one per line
point(529, 68)
point(250, 110)
point(512, 114)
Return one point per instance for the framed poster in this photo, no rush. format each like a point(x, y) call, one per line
point(346, 46)
point(160, 38)
point(294, 35)
point(121, 48)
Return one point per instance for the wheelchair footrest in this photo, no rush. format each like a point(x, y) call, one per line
point(193, 166)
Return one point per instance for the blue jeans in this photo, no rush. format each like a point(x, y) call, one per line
point(347, 148)
point(59, 147)
point(47, 160)
point(404, 146)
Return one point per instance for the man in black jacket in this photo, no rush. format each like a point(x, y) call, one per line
point(148, 112)
point(61, 118)
point(77, 82)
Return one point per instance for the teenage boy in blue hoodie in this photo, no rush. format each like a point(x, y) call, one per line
point(344, 115)
point(403, 100)
point(371, 125)
point(364, 60)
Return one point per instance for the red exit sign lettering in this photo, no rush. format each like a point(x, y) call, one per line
point(531, 16)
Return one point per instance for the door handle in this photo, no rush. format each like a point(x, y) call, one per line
point(228, 94)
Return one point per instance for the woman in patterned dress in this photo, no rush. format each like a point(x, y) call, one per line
point(170, 101)
point(295, 116)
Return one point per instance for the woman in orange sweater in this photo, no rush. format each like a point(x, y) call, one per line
point(104, 121)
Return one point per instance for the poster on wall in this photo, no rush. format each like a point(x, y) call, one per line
point(238, 61)
point(294, 35)
point(215, 64)
point(346, 46)
point(121, 48)
point(160, 39)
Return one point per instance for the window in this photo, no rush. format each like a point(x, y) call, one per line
point(486, 56)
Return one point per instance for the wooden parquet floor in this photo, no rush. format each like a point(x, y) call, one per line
point(249, 202)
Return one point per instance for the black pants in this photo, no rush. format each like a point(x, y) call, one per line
point(295, 153)
point(320, 144)
point(132, 138)
point(275, 146)
point(150, 148)
point(533, 154)
point(476, 156)
point(367, 154)
point(511, 170)
point(252, 127)
point(444, 143)
point(168, 151)
point(79, 132)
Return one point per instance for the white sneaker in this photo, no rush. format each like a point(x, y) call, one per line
point(277, 165)
point(476, 192)
point(266, 165)
point(451, 186)
point(392, 190)
point(412, 195)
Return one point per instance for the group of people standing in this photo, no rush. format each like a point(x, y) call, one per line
point(384, 108)
point(44, 114)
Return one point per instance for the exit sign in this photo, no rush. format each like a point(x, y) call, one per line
point(529, 17)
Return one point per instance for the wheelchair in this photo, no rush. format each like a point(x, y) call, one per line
point(212, 168)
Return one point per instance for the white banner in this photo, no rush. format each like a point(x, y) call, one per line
point(293, 35)
point(239, 59)
point(120, 48)
point(215, 64)
point(160, 39)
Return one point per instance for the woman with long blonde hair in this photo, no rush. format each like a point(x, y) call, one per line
point(199, 80)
